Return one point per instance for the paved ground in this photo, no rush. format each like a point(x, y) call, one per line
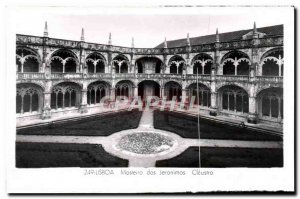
point(109, 143)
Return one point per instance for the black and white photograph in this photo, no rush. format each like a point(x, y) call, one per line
point(117, 99)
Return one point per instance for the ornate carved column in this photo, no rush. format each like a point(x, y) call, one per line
point(83, 101)
point(46, 110)
point(252, 115)
point(162, 92)
point(214, 69)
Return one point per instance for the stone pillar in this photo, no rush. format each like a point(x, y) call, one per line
point(83, 101)
point(183, 95)
point(135, 91)
point(112, 93)
point(46, 113)
point(213, 93)
point(213, 104)
point(252, 115)
point(162, 92)
point(46, 110)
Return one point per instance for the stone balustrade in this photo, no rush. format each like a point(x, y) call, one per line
point(225, 78)
point(269, 79)
point(66, 76)
point(30, 75)
point(232, 78)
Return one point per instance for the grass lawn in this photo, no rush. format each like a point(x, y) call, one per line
point(100, 125)
point(225, 157)
point(40, 155)
point(186, 127)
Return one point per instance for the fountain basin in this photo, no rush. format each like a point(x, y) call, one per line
point(145, 143)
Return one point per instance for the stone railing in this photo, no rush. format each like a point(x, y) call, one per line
point(62, 43)
point(149, 76)
point(232, 78)
point(27, 39)
point(200, 77)
point(269, 79)
point(124, 75)
point(66, 75)
point(30, 75)
point(98, 75)
point(226, 78)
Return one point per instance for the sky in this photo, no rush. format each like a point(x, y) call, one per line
point(148, 26)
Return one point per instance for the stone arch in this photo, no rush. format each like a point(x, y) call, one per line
point(176, 64)
point(149, 64)
point(121, 63)
point(96, 90)
point(270, 104)
point(67, 81)
point(117, 81)
point(124, 88)
point(27, 60)
point(272, 63)
point(203, 97)
point(30, 81)
point(173, 80)
point(65, 94)
point(29, 98)
point(203, 62)
point(155, 80)
point(173, 89)
point(64, 60)
point(233, 98)
point(235, 63)
point(99, 80)
point(95, 62)
point(148, 88)
point(223, 84)
point(264, 87)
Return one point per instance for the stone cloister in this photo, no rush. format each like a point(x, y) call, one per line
point(238, 78)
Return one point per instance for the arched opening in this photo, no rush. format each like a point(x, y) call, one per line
point(207, 68)
point(29, 98)
point(63, 61)
point(124, 68)
point(148, 88)
point(270, 68)
point(121, 64)
point(197, 67)
point(95, 63)
point(243, 67)
point(173, 69)
point(56, 65)
point(180, 69)
point(124, 88)
point(202, 62)
point(272, 63)
point(27, 60)
point(270, 104)
point(228, 68)
point(203, 97)
point(96, 91)
point(176, 64)
point(236, 63)
point(149, 65)
point(173, 90)
point(65, 95)
point(70, 66)
point(233, 98)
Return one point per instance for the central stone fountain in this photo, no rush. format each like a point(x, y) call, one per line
point(145, 143)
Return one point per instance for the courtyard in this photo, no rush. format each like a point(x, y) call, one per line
point(149, 138)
